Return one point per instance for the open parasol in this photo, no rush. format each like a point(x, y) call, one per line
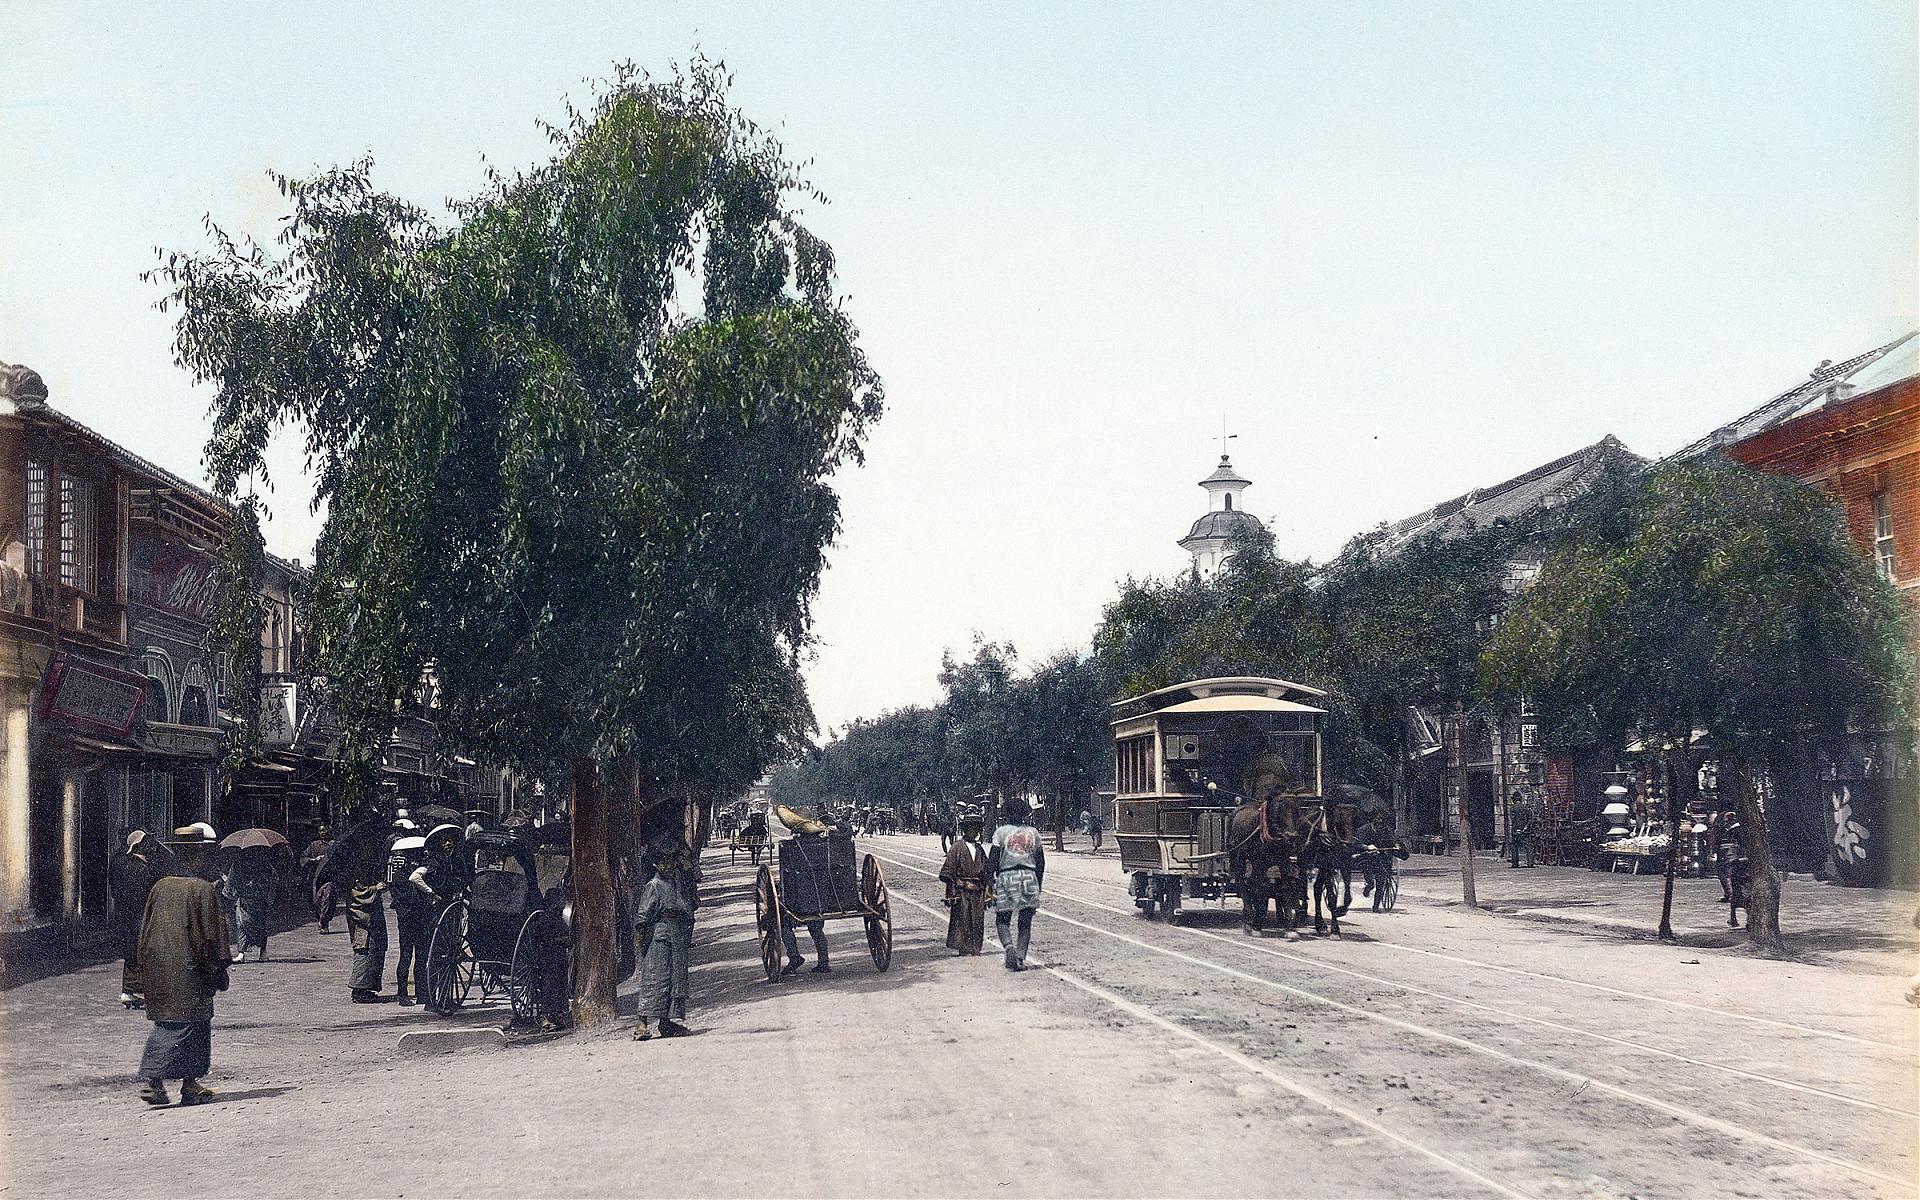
point(248, 839)
point(426, 816)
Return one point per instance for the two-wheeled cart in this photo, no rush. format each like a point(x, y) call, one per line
point(815, 882)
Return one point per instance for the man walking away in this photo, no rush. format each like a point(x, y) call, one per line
point(183, 960)
point(965, 874)
point(253, 885)
point(1017, 864)
point(131, 877)
point(320, 894)
point(664, 921)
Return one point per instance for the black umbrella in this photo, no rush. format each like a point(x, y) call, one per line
point(1363, 798)
point(426, 816)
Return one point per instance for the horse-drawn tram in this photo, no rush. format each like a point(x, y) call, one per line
point(1207, 773)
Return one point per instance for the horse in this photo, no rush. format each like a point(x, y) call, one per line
point(1262, 853)
point(1329, 859)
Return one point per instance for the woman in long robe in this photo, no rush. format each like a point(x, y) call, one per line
point(965, 874)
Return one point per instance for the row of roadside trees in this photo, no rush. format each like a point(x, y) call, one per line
point(572, 439)
point(1694, 605)
point(998, 730)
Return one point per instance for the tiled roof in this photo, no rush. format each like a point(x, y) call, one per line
point(1221, 523)
point(134, 463)
point(1548, 485)
point(1829, 381)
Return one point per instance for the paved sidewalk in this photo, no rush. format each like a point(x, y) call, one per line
point(1868, 929)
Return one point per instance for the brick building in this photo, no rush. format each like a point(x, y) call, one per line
point(1853, 430)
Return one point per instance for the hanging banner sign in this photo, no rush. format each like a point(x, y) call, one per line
point(91, 695)
point(174, 578)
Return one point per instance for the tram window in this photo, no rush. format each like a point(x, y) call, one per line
point(1133, 764)
point(1299, 752)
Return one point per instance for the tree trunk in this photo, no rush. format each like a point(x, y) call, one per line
point(1673, 845)
point(594, 969)
point(1059, 821)
point(1763, 886)
point(1468, 895)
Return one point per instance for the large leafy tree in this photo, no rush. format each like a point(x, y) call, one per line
point(573, 441)
point(1708, 605)
point(1405, 627)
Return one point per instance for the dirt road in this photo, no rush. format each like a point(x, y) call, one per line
point(1428, 1052)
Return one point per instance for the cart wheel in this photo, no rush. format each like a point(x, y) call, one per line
point(449, 960)
point(873, 897)
point(523, 972)
point(766, 913)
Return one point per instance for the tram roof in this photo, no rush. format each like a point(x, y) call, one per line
point(1238, 687)
point(1220, 704)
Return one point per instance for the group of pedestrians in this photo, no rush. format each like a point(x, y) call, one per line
point(419, 873)
point(1007, 873)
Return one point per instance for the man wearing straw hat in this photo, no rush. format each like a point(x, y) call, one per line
point(184, 951)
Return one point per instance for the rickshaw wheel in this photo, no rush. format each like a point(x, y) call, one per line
point(449, 960)
point(523, 972)
point(879, 920)
point(766, 914)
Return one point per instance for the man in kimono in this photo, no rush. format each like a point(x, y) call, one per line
point(663, 918)
point(184, 951)
point(965, 874)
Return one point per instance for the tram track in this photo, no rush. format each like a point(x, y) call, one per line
point(1252, 1066)
point(1241, 944)
point(1905, 1051)
point(1580, 1082)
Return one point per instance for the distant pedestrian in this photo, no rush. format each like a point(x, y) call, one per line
point(183, 961)
point(130, 877)
point(321, 894)
point(1017, 865)
point(1520, 829)
point(1094, 827)
point(663, 920)
point(251, 884)
point(965, 874)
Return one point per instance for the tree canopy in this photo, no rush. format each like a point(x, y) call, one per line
point(1709, 601)
point(573, 439)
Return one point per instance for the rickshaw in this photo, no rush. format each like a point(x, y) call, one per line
point(506, 935)
point(751, 838)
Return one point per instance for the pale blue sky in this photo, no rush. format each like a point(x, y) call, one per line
point(1407, 249)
